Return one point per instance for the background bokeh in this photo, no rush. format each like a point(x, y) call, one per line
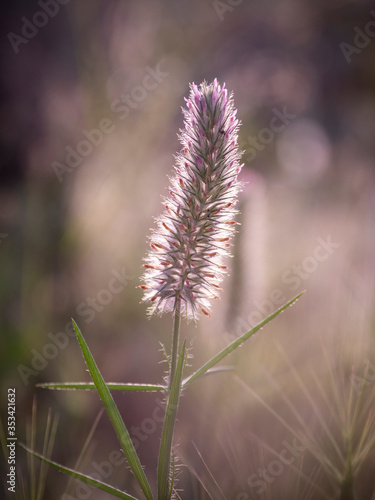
point(74, 216)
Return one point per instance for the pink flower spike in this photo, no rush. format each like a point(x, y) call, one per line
point(185, 263)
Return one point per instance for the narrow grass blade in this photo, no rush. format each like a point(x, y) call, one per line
point(214, 486)
point(164, 461)
point(202, 483)
point(49, 439)
point(82, 477)
point(219, 369)
point(236, 343)
point(114, 415)
point(300, 437)
point(326, 425)
point(112, 386)
point(86, 448)
point(30, 437)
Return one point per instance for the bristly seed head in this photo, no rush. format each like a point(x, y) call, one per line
point(184, 264)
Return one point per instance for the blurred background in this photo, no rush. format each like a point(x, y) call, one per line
point(90, 94)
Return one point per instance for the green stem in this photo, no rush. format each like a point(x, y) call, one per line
point(166, 475)
point(175, 339)
point(347, 486)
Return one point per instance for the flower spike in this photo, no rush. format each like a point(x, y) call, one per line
point(184, 264)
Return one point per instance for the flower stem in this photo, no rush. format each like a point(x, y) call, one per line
point(175, 339)
point(347, 486)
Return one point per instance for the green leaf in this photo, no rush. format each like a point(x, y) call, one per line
point(164, 461)
point(114, 415)
point(112, 386)
point(219, 369)
point(236, 343)
point(82, 477)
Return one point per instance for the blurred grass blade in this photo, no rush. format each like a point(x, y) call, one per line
point(164, 461)
point(82, 477)
point(304, 438)
point(85, 450)
point(219, 369)
point(112, 386)
point(114, 415)
point(222, 354)
point(49, 439)
point(214, 486)
point(30, 440)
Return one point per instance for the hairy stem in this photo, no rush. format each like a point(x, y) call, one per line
point(175, 339)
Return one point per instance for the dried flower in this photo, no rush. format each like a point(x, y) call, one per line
point(184, 265)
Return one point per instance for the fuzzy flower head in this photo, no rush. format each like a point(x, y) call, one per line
point(184, 267)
